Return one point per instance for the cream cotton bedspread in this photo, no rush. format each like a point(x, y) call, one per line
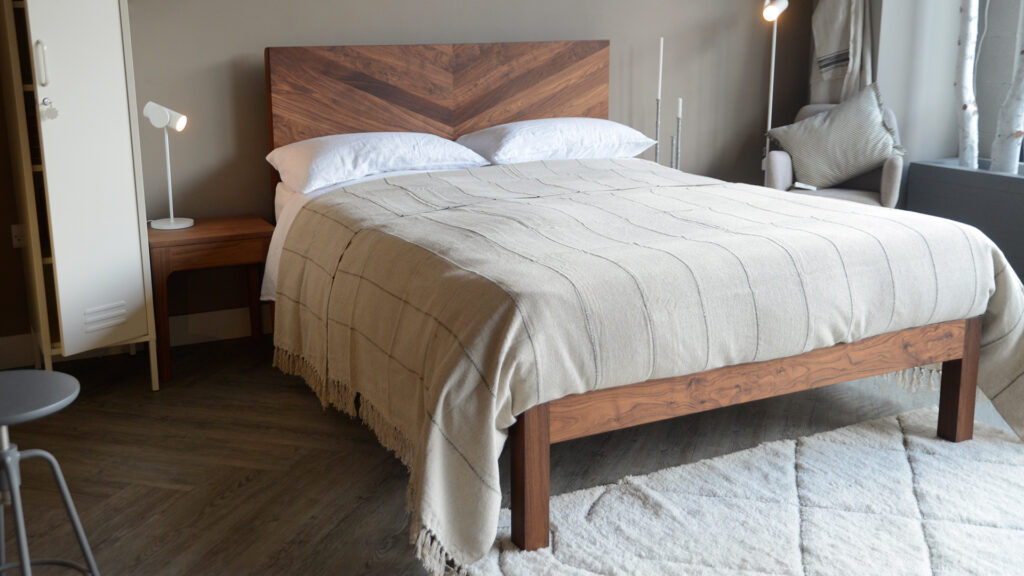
point(451, 302)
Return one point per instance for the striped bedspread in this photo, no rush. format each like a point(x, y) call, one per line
point(451, 302)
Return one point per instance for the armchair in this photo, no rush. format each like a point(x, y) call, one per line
point(880, 186)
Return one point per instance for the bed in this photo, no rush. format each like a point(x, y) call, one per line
point(330, 326)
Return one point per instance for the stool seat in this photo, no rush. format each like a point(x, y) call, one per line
point(26, 395)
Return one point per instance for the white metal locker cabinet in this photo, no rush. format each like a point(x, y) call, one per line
point(81, 93)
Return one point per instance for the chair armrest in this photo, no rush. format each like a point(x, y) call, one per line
point(892, 175)
point(778, 170)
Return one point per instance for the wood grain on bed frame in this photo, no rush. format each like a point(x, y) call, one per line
point(443, 89)
point(956, 344)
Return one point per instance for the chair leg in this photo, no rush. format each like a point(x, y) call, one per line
point(69, 505)
point(13, 475)
point(959, 385)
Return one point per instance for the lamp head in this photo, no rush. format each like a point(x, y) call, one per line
point(773, 8)
point(163, 117)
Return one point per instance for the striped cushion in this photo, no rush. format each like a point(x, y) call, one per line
point(844, 142)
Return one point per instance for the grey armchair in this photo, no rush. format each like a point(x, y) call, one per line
point(880, 186)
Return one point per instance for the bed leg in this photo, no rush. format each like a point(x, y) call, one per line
point(531, 478)
point(959, 382)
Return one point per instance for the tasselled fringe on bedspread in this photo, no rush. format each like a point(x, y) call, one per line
point(919, 378)
point(429, 549)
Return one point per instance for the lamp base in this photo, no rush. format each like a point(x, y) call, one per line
point(172, 223)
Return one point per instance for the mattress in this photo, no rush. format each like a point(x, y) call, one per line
point(451, 303)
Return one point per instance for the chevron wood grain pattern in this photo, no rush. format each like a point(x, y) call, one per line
point(499, 83)
point(443, 89)
point(235, 469)
point(616, 408)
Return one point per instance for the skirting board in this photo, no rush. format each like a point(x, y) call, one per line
point(18, 351)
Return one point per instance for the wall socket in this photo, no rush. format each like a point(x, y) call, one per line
point(17, 235)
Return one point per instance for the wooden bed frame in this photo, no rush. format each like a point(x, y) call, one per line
point(453, 89)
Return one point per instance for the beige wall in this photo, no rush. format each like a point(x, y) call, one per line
point(205, 58)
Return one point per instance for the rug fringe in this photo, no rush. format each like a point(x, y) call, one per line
point(429, 549)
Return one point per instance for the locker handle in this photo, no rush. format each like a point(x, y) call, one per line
point(44, 75)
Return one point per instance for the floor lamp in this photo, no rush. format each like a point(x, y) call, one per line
point(771, 12)
point(164, 118)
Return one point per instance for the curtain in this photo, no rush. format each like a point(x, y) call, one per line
point(842, 50)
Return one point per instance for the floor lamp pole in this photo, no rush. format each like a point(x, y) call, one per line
point(771, 95)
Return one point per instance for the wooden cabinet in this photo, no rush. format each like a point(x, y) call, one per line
point(73, 121)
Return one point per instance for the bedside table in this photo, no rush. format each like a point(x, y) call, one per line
point(211, 243)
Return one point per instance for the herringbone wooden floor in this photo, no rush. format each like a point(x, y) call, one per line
point(234, 469)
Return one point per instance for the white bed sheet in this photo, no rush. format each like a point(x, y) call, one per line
point(283, 195)
point(287, 204)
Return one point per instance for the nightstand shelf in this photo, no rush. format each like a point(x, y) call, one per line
point(211, 243)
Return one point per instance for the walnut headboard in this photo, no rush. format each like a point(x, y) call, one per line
point(443, 89)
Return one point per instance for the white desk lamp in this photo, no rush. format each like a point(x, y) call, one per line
point(163, 117)
point(771, 12)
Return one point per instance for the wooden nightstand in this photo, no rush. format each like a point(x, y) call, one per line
point(211, 243)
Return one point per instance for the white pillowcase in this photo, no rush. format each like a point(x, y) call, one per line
point(307, 165)
point(556, 139)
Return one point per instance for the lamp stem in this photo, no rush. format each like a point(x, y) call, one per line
point(167, 155)
point(771, 94)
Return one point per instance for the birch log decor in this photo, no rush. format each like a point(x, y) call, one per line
point(1010, 122)
point(966, 101)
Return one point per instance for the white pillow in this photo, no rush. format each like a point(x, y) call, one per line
point(556, 139)
point(307, 165)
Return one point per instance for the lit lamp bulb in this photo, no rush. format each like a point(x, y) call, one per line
point(773, 8)
point(163, 117)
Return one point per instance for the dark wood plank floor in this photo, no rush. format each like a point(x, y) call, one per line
point(234, 469)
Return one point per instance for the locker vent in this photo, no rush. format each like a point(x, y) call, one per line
point(103, 317)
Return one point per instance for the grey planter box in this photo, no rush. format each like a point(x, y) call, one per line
point(991, 202)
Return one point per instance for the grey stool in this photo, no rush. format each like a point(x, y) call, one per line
point(27, 395)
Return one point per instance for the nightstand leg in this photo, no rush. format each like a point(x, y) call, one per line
point(154, 365)
point(255, 320)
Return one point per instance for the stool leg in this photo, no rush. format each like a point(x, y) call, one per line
point(58, 477)
point(11, 472)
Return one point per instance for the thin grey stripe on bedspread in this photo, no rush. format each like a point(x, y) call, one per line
point(450, 302)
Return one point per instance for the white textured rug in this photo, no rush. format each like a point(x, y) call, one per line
point(882, 497)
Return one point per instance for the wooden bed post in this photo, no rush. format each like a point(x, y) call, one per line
point(959, 382)
point(531, 478)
